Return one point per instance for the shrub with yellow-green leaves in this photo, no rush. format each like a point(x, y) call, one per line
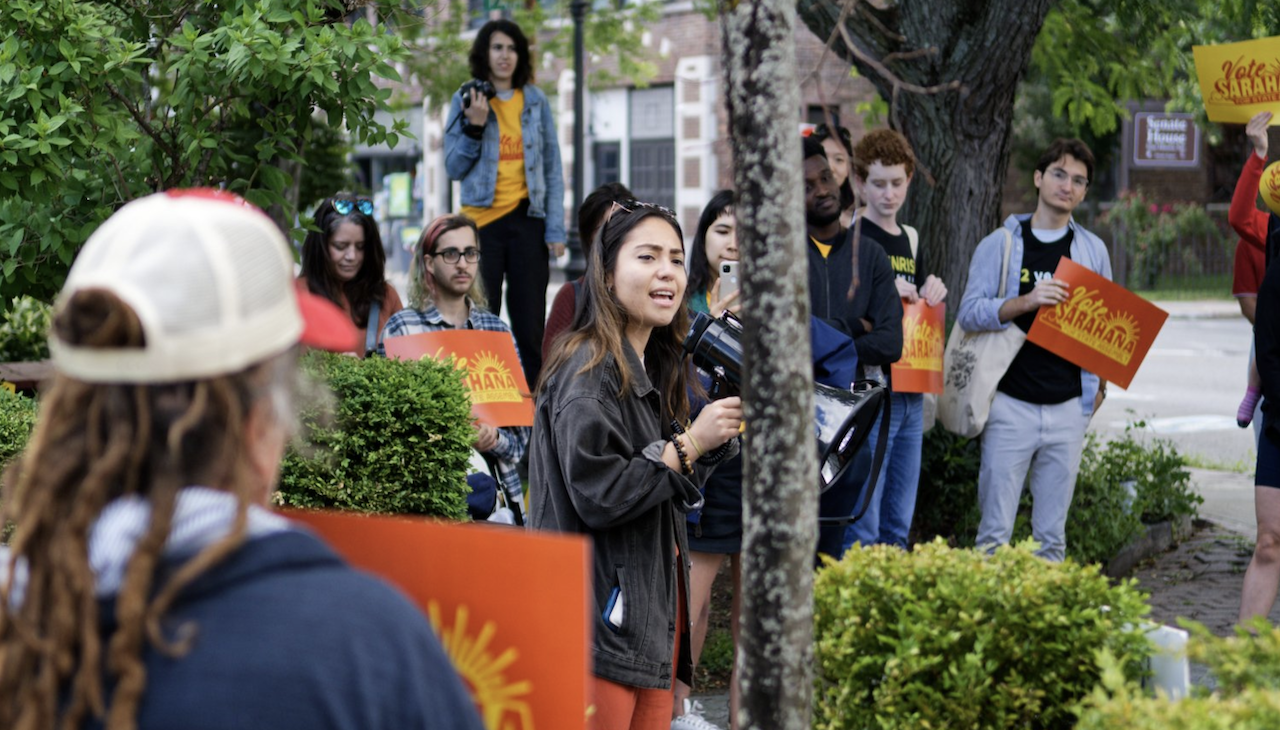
point(1246, 669)
point(956, 638)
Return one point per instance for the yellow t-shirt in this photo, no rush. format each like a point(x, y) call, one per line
point(511, 187)
point(823, 248)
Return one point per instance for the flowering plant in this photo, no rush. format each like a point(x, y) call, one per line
point(1153, 232)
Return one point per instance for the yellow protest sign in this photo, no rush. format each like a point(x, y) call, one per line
point(1238, 80)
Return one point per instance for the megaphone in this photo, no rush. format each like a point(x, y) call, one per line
point(842, 418)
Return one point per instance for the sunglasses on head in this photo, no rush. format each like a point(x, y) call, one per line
point(344, 206)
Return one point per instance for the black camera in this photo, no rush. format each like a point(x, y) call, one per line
point(480, 85)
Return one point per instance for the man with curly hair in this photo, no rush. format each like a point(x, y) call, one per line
point(882, 168)
point(1043, 404)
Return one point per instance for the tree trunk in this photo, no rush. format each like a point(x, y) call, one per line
point(780, 504)
point(962, 137)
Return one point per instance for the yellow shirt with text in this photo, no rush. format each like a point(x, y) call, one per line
point(511, 186)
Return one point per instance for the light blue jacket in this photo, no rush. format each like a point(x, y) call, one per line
point(980, 307)
point(475, 162)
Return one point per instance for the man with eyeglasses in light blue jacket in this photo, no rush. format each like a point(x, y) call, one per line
point(1043, 404)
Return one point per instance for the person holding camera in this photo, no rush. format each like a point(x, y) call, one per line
point(501, 143)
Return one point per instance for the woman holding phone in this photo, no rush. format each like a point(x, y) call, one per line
point(614, 456)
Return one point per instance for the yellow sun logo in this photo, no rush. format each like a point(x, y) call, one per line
point(502, 704)
point(1124, 325)
point(488, 362)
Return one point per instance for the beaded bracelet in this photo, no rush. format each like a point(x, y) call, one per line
point(685, 467)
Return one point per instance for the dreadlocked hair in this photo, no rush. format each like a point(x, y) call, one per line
point(94, 443)
point(601, 321)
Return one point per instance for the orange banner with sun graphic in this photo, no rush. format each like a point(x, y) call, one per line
point(1102, 327)
point(499, 394)
point(919, 370)
point(510, 607)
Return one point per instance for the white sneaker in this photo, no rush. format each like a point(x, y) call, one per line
point(692, 718)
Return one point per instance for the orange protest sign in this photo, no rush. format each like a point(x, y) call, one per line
point(510, 606)
point(1238, 80)
point(1102, 327)
point(923, 341)
point(499, 394)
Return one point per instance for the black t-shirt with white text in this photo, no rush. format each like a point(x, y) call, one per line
point(897, 247)
point(1037, 375)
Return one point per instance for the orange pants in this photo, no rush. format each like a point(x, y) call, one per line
point(623, 707)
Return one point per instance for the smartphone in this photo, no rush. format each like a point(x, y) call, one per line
point(728, 278)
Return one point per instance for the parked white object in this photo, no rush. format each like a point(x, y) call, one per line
point(1170, 670)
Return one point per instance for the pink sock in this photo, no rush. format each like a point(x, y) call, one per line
point(1244, 414)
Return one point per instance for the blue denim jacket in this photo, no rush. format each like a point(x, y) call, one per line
point(980, 307)
point(475, 162)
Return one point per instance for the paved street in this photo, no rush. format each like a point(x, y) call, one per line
point(1189, 386)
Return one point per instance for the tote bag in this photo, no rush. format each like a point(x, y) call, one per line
point(974, 363)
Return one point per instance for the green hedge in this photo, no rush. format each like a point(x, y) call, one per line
point(1246, 669)
point(1122, 484)
point(399, 439)
point(942, 637)
point(17, 419)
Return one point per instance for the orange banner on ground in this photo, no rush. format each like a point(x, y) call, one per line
point(499, 394)
point(1238, 80)
point(510, 606)
point(924, 330)
point(1102, 327)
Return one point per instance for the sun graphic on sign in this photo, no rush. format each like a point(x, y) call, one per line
point(1126, 325)
point(489, 362)
point(502, 704)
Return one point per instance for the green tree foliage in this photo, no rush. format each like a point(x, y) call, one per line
point(612, 35)
point(103, 102)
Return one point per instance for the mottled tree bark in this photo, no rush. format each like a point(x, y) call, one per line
point(961, 137)
point(780, 503)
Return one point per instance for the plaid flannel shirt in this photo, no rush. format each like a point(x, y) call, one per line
point(512, 440)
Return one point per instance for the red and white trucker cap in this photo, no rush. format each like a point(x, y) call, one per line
point(211, 279)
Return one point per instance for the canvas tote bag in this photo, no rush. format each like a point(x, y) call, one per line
point(973, 364)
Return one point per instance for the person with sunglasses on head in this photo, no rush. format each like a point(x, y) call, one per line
point(506, 153)
point(446, 293)
point(613, 456)
point(838, 144)
point(344, 262)
point(1034, 434)
point(148, 583)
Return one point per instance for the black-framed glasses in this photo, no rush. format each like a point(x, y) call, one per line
point(344, 206)
point(451, 255)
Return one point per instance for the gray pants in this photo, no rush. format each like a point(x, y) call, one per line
point(1046, 441)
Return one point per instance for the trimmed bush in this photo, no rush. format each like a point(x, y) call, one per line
point(17, 419)
point(954, 638)
point(1247, 673)
point(24, 328)
point(399, 440)
point(1122, 484)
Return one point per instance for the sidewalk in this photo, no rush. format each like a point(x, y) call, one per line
point(1200, 579)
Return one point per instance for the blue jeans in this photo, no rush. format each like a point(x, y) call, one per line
point(888, 517)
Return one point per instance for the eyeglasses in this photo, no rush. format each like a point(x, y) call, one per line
point(451, 255)
point(1060, 175)
point(344, 206)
